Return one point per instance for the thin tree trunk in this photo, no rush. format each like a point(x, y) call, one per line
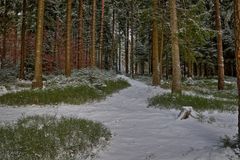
point(15, 45)
point(68, 52)
point(101, 37)
point(132, 41)
point(93, 32)
point(80, 32)
point(127, 46)
point(112, 54)
point(176, 69)
point(119, 52)
point(219, 46)
point(237, 54)
point(23, 41)
point(161, 42)
point(155, 75)
point(37, 81)
point(4, 51)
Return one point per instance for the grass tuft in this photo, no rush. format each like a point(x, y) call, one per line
point(49, 138)
point(69, 94)
point(198, 103)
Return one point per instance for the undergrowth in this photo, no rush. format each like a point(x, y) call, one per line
point(198, 103)
point(69, 94)
point(50, 138)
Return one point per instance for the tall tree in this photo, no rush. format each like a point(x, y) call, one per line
point(132, 40)
point(37, 81)
point(155, 57)
point(219, 46)
point(93, 36)
point(127, 45)
point(4, 41)
point(101, 37)
point(80, 31)
point(23, 40)
point(111, 56)
point(176, 69)
point(237, 53)
point(68, 51)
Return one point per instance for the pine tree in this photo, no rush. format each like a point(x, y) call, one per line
point(68, 39)
point(80, 32)
point(101, 37)
point(23, 40)
point(237, 53)
point(93, 36)
point(219, 46)
point(37, 81)
point(155, 57)
point(176, 69)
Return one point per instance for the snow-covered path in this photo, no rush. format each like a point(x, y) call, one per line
point(141, 133)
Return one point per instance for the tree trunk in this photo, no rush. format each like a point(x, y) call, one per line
point(4, 50)
point(155, 75)
point(93, 32)
point(176, 69)
point(23, 41)
point(80, 35)
point(237, 54)
point(127, 46)
point(37, 81)
point(112, 53)
point(68, 52)
point(161, 42)
point(101, 37)
point(132, 41)
point(219, 46)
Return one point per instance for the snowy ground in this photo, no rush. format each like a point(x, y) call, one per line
point(141, 133)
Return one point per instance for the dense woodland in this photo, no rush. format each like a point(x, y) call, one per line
point(162, 39)
point(118, 35)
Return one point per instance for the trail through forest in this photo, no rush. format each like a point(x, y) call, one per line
point(142, 133)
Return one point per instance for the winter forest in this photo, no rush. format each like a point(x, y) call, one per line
point(119, 79)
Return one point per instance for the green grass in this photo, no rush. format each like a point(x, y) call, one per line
point(69, 95)
point(49, 138)
point(198, 103)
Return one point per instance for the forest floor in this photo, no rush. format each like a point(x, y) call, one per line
point(142, 133)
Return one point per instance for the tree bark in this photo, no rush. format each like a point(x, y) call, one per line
point(176, 69)
point(155, 75)
point(80, 34)
point(37, 81)
point(68, 52)
point(237, 53)
point(127, 45)
point(132, 41)
point(101, 37)
point(219, 46)
point(93, 32)
point(23, 41)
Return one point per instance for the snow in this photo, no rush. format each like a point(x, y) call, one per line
point(142, 133)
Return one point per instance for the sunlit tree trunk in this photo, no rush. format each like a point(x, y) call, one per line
point(101, 38)
point(237, 54)
point(155, 57)
point(176, 69)
point(80, 31)
point(219, 46)
point(93, 37)
point(68, 51)
point(37, 81)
